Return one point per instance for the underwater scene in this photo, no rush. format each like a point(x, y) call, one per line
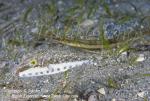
point(74, 50)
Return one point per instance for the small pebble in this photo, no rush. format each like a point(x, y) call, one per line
point(4, 87)
point(75, 99)
point(124, 53)
point(140, 58)
point(141, 94)
point(34, 30)
point(87, 23)
point(102, 91)
point(95, 64)
point(142, 26)
point(45, 96)
point(93, 97)
point(7, 83)
point(93, 82)
point(113, 99)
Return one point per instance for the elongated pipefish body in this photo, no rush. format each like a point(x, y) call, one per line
point(52, 69)
point(97, 45)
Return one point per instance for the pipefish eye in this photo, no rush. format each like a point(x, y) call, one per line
point(33, 62)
